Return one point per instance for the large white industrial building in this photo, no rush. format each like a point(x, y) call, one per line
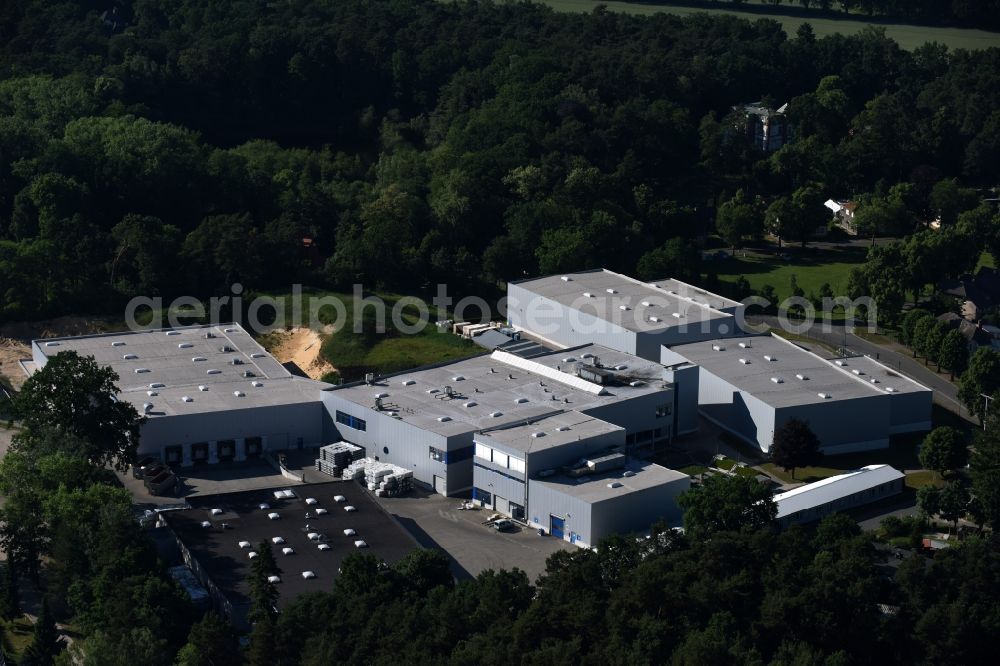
point(752, 385)
point(426, 419)
point(620, 312)
point(569, 474)
point(209, 393)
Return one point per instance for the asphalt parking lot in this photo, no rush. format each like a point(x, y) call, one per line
point(436, 522)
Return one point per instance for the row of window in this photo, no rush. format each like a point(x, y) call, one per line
point(351, 421)
point(500, 458)
point(644, 436)
point(506, 476)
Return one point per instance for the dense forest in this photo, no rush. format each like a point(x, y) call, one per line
point(156, 147)
point(967, 13)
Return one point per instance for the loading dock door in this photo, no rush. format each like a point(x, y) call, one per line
point(501, 505)
point(556, 525)
point(440, 485)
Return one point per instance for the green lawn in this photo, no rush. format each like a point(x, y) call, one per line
point(811, 269)
point(901, 454)
point(986, 260)
point(693, 470)
point(729, 464)
point(354, 354)
point(917, 480)
point(908, 36)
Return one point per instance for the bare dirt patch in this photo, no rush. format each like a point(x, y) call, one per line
point(12, 351)
point(300, 346)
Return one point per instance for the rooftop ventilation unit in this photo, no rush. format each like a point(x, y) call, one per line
point(198, 359)
point(611, 291)
point(647, 304)
point(769, 358)
point(360, 543)
point(130, 357)
point(615, 484)
point(841, 363)
point(587, 294)
point(624, 308)
point(671, 292)
point(226, 349)
point(239, 394)
point(273, 516)
point(147, 407)
point(257, 355)
point(677, 315)
point(187, 398)
point(244, 544)
point(287, 551)
point(308, 574)
point(230, 330)
point(444, 419)
point(202, 387)
point(586, 355)
point(311, 501)
point(777, 380)
point(655, 319)
point(801, 376)
point(718, 348)
point(743, 345)
point(470, 403)
point(274, 579)
point(824, 396)
point(321, 512)
point(252, 555)
point(745, 361)
point(458, 378)
point(173, 332)
point(890, 389)
point(257, 384)
point(636, 383)
point(521, 401)
point(156, 385)
point(873, 380)
point(569, 359)
point(152, 394)
point(349, 532)
point(381, 395)
point(496, 414)
point(857, 372)
point(566, 278)
point(213, 372)
point(628, 473)
point(433, 390)
point(210, 336)
point(185, 345)
point(538, 434)
point(408, 382)
point(117, 343)
point(562, 428)
point(278, 540)
point(141, 371)
point(323, 546)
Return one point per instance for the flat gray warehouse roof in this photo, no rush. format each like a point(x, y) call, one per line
point(183, 363)
point(783, 374)
point(552, 431)
point(594, 488)
point(500, 388)
point(629, 303)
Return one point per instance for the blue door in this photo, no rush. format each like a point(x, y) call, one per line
point(556, 525)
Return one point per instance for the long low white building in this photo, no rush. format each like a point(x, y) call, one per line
point(752, 385)
point(813, 501)
point(209, 393)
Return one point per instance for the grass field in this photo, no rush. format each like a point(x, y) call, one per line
point(901, 454)
point(908, 36)
point(810, 268)
point(354, 354)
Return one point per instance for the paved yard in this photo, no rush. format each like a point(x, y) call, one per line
point(436, 522)
point(203, 480)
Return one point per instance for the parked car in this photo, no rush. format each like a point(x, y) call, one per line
point(503, 525)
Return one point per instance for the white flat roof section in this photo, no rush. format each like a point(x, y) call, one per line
point(834, 488)
point(629, 303)
point(782, 374)
point(498, 389)
point(594, 488)
point(175, 364)
point(552, 431)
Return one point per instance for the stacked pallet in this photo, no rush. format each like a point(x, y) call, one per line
point(383, 479)
point(333, 458)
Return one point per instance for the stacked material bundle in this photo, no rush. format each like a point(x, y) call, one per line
point(384, 479)
point(333, 458)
